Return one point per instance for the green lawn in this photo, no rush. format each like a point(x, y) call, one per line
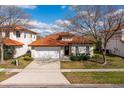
point(8, 64)
point(95, 77)
point(4, 76)
point(113, 62)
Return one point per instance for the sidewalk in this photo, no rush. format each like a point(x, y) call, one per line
point(91, 70)
point(65, 70)
point(10, 70)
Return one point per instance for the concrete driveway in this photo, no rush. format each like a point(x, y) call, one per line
point(37, 73)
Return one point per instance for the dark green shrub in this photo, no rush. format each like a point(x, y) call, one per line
point(79, 57)
point(75, 58)
point(84, 57)
point(28, 53)
point(8, 52)
point(28, 58)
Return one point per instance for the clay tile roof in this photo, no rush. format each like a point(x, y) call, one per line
point(10, 42)
point(47, 42)
point(24, 29)
point(58, 35)
point(65, 34)
point(76, 39)
point(20, 28)
point(82, 40)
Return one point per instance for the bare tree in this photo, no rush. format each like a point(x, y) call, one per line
point(100, 22)
point(10, 18)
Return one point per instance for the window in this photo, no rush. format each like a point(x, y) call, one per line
point(87, 49)
point(24, 35)
point(7, 34)
point(77, 50)
point(31, 35)
point(17, 34)
point(34, 36)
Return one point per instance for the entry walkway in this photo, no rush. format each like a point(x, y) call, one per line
point(38, 73)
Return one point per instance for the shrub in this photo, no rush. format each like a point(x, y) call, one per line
point(84, 57)
point(79, 57)
point(75, 58)
point(28, 53)
point(8, 52)
point(28, 58)
point(14, 62)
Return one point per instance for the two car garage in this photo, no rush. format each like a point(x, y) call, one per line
point(46, 52)
point(46, 48)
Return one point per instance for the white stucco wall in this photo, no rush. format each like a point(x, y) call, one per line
point(21, 50)
point(116, 47)
point(122, 34)
point(22, 39)
point(47, 52)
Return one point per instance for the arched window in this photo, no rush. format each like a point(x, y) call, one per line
point(17, 33)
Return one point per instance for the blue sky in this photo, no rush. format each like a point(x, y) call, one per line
point(45, 18)
point(48, 13)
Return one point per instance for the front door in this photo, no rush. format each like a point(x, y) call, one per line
point(66, 50)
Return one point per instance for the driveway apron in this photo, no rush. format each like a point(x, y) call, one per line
point(38, 73)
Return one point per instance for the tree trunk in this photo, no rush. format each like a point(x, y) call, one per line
point(98, 46)
point(2, 53)
point(104, 54)
point(104, 57)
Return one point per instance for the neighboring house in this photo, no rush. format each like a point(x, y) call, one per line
point(116, 44)
point(59, 45)
point(19, 37)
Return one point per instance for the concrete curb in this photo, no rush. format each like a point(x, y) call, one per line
point(62, 86)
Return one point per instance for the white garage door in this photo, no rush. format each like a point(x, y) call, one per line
point(46, 52)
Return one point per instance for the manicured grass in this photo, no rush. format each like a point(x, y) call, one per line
point(8, 64)
point(113, 62)
point(95, 77)
point(4, 76)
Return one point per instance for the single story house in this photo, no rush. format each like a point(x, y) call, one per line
point(59, 45)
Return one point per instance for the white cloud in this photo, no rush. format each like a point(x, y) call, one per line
point(63, 6)
point(27, 6)
point(44, 28)
point(62, 22)
point(119, 11)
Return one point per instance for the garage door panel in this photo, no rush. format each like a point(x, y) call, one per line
point(46, 53)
